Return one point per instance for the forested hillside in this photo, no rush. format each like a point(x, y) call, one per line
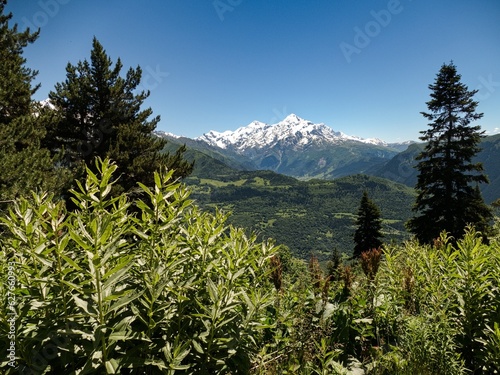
point(317, 216)
point(312, 217)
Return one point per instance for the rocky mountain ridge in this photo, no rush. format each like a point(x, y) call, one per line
point(296, 147)
point(292, 131)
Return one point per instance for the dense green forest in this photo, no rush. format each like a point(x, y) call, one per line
point(321, 214)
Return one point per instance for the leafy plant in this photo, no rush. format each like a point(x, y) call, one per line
point(169, 290)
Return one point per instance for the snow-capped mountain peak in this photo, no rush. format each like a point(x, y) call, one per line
point(292, 118)
point(292, 131)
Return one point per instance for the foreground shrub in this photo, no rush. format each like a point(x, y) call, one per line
point(166, 290)
point(439, 306)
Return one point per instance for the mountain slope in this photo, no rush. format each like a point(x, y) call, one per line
point(208, 160)
point(490, 157)
point(401, 168)
point(296, 147)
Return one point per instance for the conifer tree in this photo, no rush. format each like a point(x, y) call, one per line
point(99, 115)
point(448, 194)
point(24, 164)
point(369, 225)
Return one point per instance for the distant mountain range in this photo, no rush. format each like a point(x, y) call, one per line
point(315, 215)
point(293, 132)
point(295, 147)
point(305, 150)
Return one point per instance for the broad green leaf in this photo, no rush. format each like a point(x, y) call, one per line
point(71, 262)
point(129, 297)
point(197, 346)
point(117, 273)
point(85, 306)
point(112, 366)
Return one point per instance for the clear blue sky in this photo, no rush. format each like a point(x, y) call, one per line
point(360, 66)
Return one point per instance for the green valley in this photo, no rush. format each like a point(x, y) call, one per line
point(310, 217)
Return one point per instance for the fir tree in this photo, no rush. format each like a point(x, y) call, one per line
point(369, 225)
point(333, 265)
point(448, 194)
point(99, 115)
point(24, 164)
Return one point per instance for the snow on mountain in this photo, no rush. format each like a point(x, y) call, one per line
point(47, 103)
point(163, 134)
point(293, 131)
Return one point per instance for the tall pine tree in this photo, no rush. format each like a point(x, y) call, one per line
point(369, 225)
point(98, 114)
point(24, 164)
point(448, 194)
